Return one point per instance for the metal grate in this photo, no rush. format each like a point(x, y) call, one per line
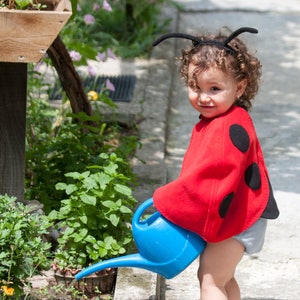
point(124, 87)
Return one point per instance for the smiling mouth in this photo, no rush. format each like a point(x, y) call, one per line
point(206, 106)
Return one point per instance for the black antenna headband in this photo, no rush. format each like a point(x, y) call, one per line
point(197, 42)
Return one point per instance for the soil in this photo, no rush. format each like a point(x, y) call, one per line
point(45, 287)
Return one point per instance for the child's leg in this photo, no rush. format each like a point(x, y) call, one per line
point(216, 271)
point(233, 290)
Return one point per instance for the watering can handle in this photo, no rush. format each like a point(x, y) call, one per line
point(140, 210)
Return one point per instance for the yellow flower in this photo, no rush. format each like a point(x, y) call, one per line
point(7, 290)
point(93, 96)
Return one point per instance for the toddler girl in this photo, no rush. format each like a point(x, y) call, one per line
point(223, 191)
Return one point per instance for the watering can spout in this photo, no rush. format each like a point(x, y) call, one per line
point(132, 260)
point(164, 248)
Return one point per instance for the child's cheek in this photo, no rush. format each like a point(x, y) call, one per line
point(192, 94)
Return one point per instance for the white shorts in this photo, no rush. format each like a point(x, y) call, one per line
point(253, 238)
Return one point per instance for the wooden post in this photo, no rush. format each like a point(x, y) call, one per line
point(25, 36)
point(13, 83)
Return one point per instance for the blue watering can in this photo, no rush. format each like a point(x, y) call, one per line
point(164, 248)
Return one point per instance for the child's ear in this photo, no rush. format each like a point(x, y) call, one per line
point(241, 86)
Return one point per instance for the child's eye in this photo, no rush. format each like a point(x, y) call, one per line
point(215, 89)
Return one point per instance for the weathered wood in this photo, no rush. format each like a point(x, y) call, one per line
point(13, 82)
point(25, 35)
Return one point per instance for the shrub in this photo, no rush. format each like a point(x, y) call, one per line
point(23, 252)
point(96, 215)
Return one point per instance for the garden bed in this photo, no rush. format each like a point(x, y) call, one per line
point(45, 287)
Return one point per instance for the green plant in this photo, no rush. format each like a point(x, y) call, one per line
point(95, 217)
point(69, 148)
point(56, 144)
point(22, 249)
point(127, 27)
point(141, 22)
point(22, 4)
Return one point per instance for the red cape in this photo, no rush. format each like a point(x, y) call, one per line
point(223, 187)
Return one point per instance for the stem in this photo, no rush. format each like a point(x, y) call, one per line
point(11, 259)
point(69, 77)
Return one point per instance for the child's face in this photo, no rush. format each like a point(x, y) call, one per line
point(213, 92)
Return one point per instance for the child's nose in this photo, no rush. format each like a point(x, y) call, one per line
point(204, 98)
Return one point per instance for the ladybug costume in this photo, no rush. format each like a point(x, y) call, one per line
point(223, 187)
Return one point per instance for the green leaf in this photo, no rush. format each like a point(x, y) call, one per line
point(91, 200)
point(114, 219)
point(75, 224)
point(81, 235)
point(61, 186)
point(108, 240)
point(122, 250)
point(104, 179)
point(125, 210)
point(22, 4)
point(102, 252)
point(70, 189)
point(90, 183)
point(4, 233)
point(123, 189)
point(104, 155)
point(3, 255)
point(111, 169)
point(64, 210)
point(109, 204)
point(83, 219)
point(68, 231)
point(52, 215)
point(75, 175)
point(90, 239)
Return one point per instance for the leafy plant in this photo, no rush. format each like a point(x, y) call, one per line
point(69, 148)
point(127, 27)
point(22, 249)
point(95, 217)
point(22, 4)
point(56, 144)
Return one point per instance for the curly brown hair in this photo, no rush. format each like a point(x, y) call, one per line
point(242, 66)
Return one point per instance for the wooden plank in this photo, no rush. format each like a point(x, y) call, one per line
point(13, 82)
point(25, 35)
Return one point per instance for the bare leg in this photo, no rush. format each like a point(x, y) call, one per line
point(233, 290)
point(216, 270)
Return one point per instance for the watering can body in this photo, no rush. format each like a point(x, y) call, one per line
point(164, 248)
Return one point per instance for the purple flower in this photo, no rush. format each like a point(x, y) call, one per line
point(75, 56)
point(78, 8)
point(110, 54)
point(89, 19)
point(106, 6)
point(37, 67)
point(110, 86)
point(96, 7)
point(101, 57)
point(91, 71)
